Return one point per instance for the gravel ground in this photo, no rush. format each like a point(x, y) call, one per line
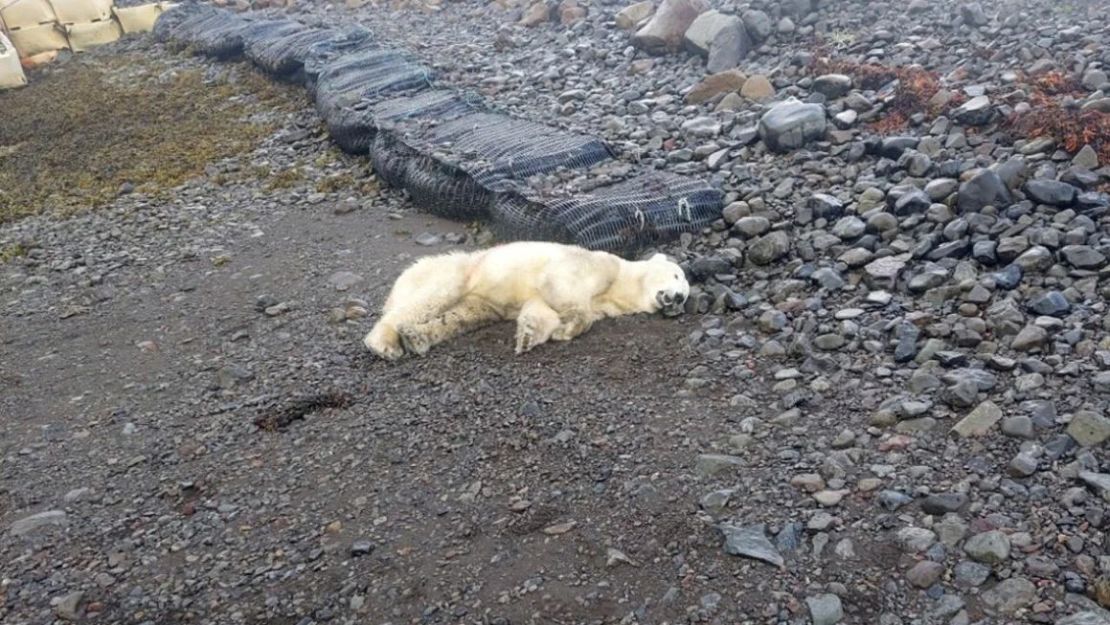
point(887, 404)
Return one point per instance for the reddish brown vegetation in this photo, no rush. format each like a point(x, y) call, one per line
point(1055, 83)
point(1070, 127)
point(912, 93)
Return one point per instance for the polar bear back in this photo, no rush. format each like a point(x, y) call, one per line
point(561, 275)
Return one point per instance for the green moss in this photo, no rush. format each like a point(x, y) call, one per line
point(72, 137)
point(286, 179)
point(11, 252)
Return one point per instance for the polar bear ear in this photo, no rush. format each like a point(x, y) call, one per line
point(659, 257)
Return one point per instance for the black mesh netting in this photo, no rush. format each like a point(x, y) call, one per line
point(322, 54)
point(453, 168)
point(229, 40)
point(169, 23)
point(621, 217)
point(353, 128)
point(447, 149)
point(367, 75)
point(180, 25)
point(283, 56)
point(215, 32)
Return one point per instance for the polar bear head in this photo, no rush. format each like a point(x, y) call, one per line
point(663, 284)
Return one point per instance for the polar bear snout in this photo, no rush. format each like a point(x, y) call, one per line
point(667, 299)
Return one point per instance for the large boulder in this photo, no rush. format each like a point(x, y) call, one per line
point(758, 24)
point(704, 29)
point(666, 29)
point(983, 189)
point(792, 124)
point(730, 45)
point(632, 15)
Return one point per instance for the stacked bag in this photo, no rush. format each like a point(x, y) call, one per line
point(39, 29)
point(454, 154)
point(11, 71)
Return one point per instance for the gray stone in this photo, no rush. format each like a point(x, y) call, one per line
point(758, 24)
point(941, 188)
point(1036, 258)
point(916, 539)
point(752, 226)
point(1100, 482)
point(1051, 303)
point(715, 464)
point(983, 189)
point(1085, 618)
point(1023, 465)
point(1095, 79)
point(68, 607)
point(769, 248)
point(971, 574)
point(750, 542)
point(29, 524)
point(667, 27)
point(1030, 338)
point(1082, 256)
point(972, 14)
point(825, 609)
point(833, 86)
point(792, 124)
point(991, 547)
point(850, 227)
point(979, 421)
point(631, 16)
point(975, 112)
point(1086, 158)
point(1019, 426)
point(705, 126)
point(925, 573)
point(1089, 428)
point(943, 503)
point(729, 47)
point(704, 28)
point(1051, 192)
point(344, 280)
point(1010, 595)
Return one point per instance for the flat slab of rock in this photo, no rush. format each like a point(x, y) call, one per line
point(27, 525)
point(711, 86)
point(979, 421)
point(750, 542)
point(1089, 428)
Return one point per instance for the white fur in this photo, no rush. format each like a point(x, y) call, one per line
point(553, 291)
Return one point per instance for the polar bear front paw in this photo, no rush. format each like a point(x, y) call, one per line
point(525, 335)
point(377, 343)
point(415, 342)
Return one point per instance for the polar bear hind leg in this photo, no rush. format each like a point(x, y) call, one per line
point(469, 314)
point(422, 292)
point(574, 324)
point(534, 325)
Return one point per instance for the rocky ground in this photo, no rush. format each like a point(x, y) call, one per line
point(887, 404)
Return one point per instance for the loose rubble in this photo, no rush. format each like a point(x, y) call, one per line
point(889, 404)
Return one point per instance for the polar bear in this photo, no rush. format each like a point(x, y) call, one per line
point(553, 291)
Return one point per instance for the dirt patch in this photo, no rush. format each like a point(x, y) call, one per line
point(78, 133)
